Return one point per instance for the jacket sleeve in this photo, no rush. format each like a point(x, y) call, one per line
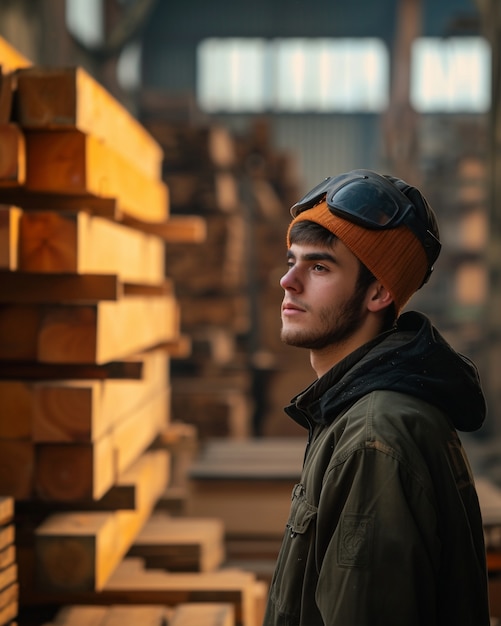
point(377, 544)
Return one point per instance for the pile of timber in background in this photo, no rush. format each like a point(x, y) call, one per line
point(88, 326)
point(228, 286)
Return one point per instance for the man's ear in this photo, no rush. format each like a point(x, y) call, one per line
point(378, 297)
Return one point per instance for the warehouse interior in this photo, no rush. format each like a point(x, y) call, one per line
point(149, 154)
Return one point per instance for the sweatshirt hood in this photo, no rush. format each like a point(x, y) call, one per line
point(413, 359)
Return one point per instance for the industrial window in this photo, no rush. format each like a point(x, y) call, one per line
point(292, 75)
point(451, 75)
point(339, 75)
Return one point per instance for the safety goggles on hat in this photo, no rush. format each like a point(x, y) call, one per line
point(373, 202)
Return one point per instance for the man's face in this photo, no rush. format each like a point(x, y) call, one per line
point(321, 305)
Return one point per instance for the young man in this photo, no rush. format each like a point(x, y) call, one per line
point(384, 527)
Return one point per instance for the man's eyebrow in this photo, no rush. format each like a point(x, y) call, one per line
point(313, 256)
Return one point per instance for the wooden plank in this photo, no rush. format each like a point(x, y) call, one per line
point(35, 287)
point(128, 491)
point(97, 334)
point(70, 98)
point(121, 615)
point(80, 551)
point(79, 243)
point(80, 615)
point(180, 543)
point(17, 370)
point(124, 495)
point(133, 615)
point(8, 576)
point(6, 96)
point(10, 218)
point(135, 433)
point(16, 414)
point(12, 155)
point(17, 461)
point(74, 472)
point(6, 511)
point(85, 471)
point(177, 229)
point(7, 556)
point(63, 202)
point(9, 613)
point(9, 595)
point(10, 58)
point(208, 614)
point(66, 411)
point(107, 331)
point(7, 534)
point(74, 163)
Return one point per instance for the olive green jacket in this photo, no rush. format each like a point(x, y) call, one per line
point(384, 527)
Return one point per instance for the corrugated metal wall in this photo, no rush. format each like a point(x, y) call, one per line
point(323, 145)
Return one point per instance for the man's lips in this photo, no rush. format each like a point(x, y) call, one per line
point(288, 308)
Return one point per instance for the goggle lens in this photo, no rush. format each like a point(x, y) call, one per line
point(366, 204)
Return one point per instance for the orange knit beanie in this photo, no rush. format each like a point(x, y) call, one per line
point(395, 256)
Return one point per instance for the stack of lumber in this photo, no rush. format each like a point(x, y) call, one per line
point(9, 587)
point(211, 387)
point(228, 286)
point(89, 323)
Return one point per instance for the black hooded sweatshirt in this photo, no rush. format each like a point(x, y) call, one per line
point(385, 527)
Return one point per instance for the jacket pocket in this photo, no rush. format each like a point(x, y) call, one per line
point(296, 558)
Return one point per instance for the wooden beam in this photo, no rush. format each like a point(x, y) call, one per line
point(180, 544)
point(10, 218)
point(69, 98)
point(12, 155)
point(36, 288)
point(177, 229)
point(73, 163)
point(62, 202)
point(92, 334)
point(16, 414)
point(85, 471)
point(79, 243)
point(6, 97)
point(126, 494)
point(18, 370)
point(80, 551)
point(6, 511)
point(121, 615)
point(71, 411)
point(10, 58)
point(18, 462)
point(208, 614)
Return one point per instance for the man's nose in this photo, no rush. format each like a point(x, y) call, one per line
point(290, 280)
